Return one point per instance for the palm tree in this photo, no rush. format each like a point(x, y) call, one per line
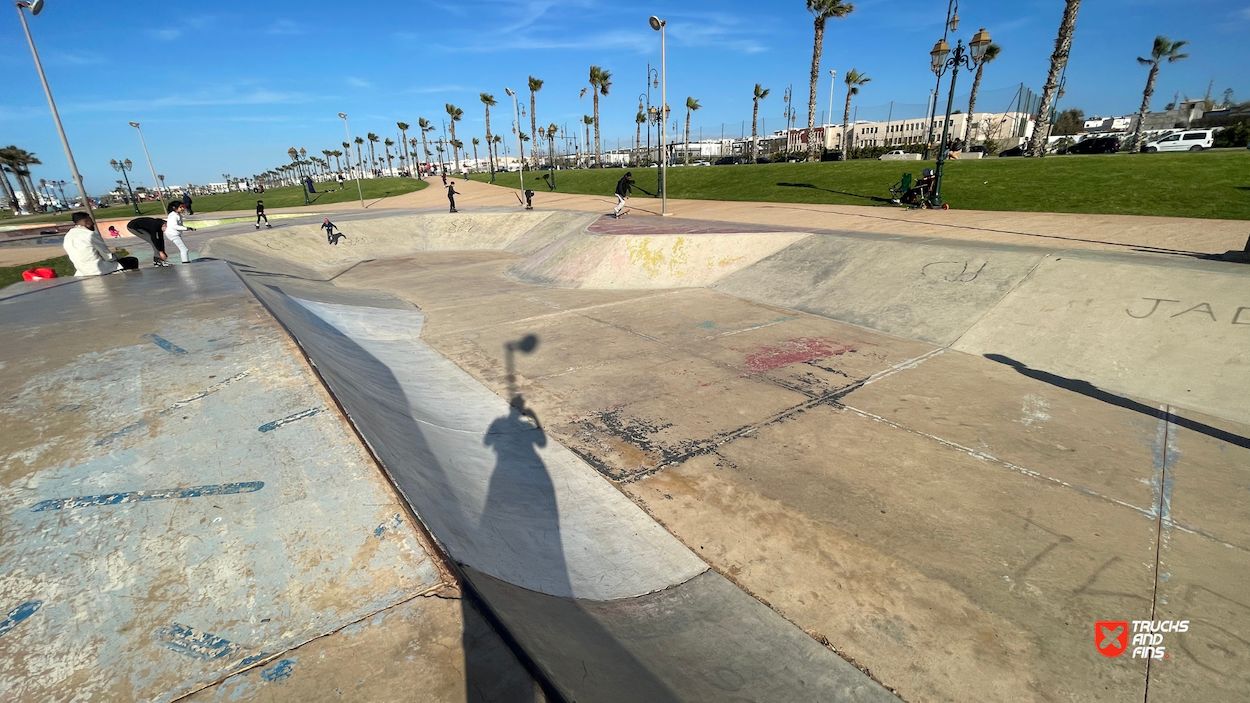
point(496, 140)
point(522, 137)
point(991, 52)
point(387, 145)
point(425, 127)
point(587, 120)
point(373, 159)
point(822, 10)
point(760, 93)
point(854, 79)
point(360, 164)
point(18, 161)
point(1059, 59)
point(639, 120)
point(1163, 48)
point(338, 164)
point(535, 85)
point(475, 161)
point(692, 105)
point(488, 100)
point(348, 147)
point(403, 139)
point(455, 114)
point(600, 82)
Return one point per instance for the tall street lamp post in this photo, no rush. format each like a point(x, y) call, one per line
point(359, 192)
point(299, 172)
point(940, 63)
point(516, 129)
point(832, 86)
point(952, 23)
point(125, 166)
point(159, 194)
point(35, 8)
point(658, 25)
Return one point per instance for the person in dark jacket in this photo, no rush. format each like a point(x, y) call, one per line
point(260, 212)
point(152, 231)
point(451, 195)
point(623, 188)
point(186, 200)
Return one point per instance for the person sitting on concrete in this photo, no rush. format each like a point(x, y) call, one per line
point(152, 231)
point(87, 251)
point(174, 229)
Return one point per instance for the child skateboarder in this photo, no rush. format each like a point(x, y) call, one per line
point(331, 237)
point(260, 212)
point(451, 195)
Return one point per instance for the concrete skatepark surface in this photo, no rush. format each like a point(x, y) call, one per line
point(944, 460)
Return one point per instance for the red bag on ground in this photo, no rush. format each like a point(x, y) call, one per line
point(38, 274)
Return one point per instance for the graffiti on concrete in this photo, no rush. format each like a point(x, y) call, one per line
point(143, 496)
point(1169, 308)
point(953, 271)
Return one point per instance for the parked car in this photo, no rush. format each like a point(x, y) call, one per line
point(1194, 140)
point(763, 160)
point(1096, 145)
point(978, 148)
point(701, 163)
point(1013, 151)
point(728, 160)
point(896, 152)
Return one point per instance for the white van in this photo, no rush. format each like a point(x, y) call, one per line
point(1192, 140)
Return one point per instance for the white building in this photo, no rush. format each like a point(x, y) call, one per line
point(1109, 124)
point(985, 125)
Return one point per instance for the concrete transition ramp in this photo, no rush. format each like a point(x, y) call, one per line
point(605, 601)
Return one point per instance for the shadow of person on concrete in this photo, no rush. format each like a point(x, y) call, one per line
point(1089, 390)
point(566, 644)
point(873, 198)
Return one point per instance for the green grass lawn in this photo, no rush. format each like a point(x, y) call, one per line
point(1210, 185)
point(60, 264)
point(274, 198)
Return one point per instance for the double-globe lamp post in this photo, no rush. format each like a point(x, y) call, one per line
point(658, 25)
point(343, 116)
point(125, 166)
point(160, 196)
point(35, 8)
point(299, 170)
point(940, 63)
point(952, 24)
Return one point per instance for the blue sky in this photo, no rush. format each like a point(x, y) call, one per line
point(227, 87)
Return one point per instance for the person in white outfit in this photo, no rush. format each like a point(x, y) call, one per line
point(174, 229)
point(86, 250)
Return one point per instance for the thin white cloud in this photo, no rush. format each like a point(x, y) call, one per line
point(286, 27)
point(1245, 14)
point(167, 34)
point(439, 89)
point(203, 98)
point(358, 82)
point(78, 58)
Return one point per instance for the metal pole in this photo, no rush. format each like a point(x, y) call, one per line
point(73, 167)
point(347, 127)
point(936, 199)
point(664, 113)
point(937, 88)
point(146, 155)
point(516, 129)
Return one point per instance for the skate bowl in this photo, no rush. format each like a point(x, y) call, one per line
point(607, 604)
point(1166, 328)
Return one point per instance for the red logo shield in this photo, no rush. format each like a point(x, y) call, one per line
point(1111, 637)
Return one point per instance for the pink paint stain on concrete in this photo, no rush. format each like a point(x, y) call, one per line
point(794, 351)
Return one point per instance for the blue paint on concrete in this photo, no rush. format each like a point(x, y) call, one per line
point(142, 496)
point(18, 614)
point(248, 661)
point(707, 325)
point(120, 433)
point(187, 640)
point(211, 389)
point(279, 671)
point(392, 524)
point(165, 344)
point(271, 426)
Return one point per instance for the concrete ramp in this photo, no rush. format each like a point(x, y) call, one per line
point(1166, 329)
point(648, 261)
point(929, 290)
point(303, 251)
point(608, 604)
